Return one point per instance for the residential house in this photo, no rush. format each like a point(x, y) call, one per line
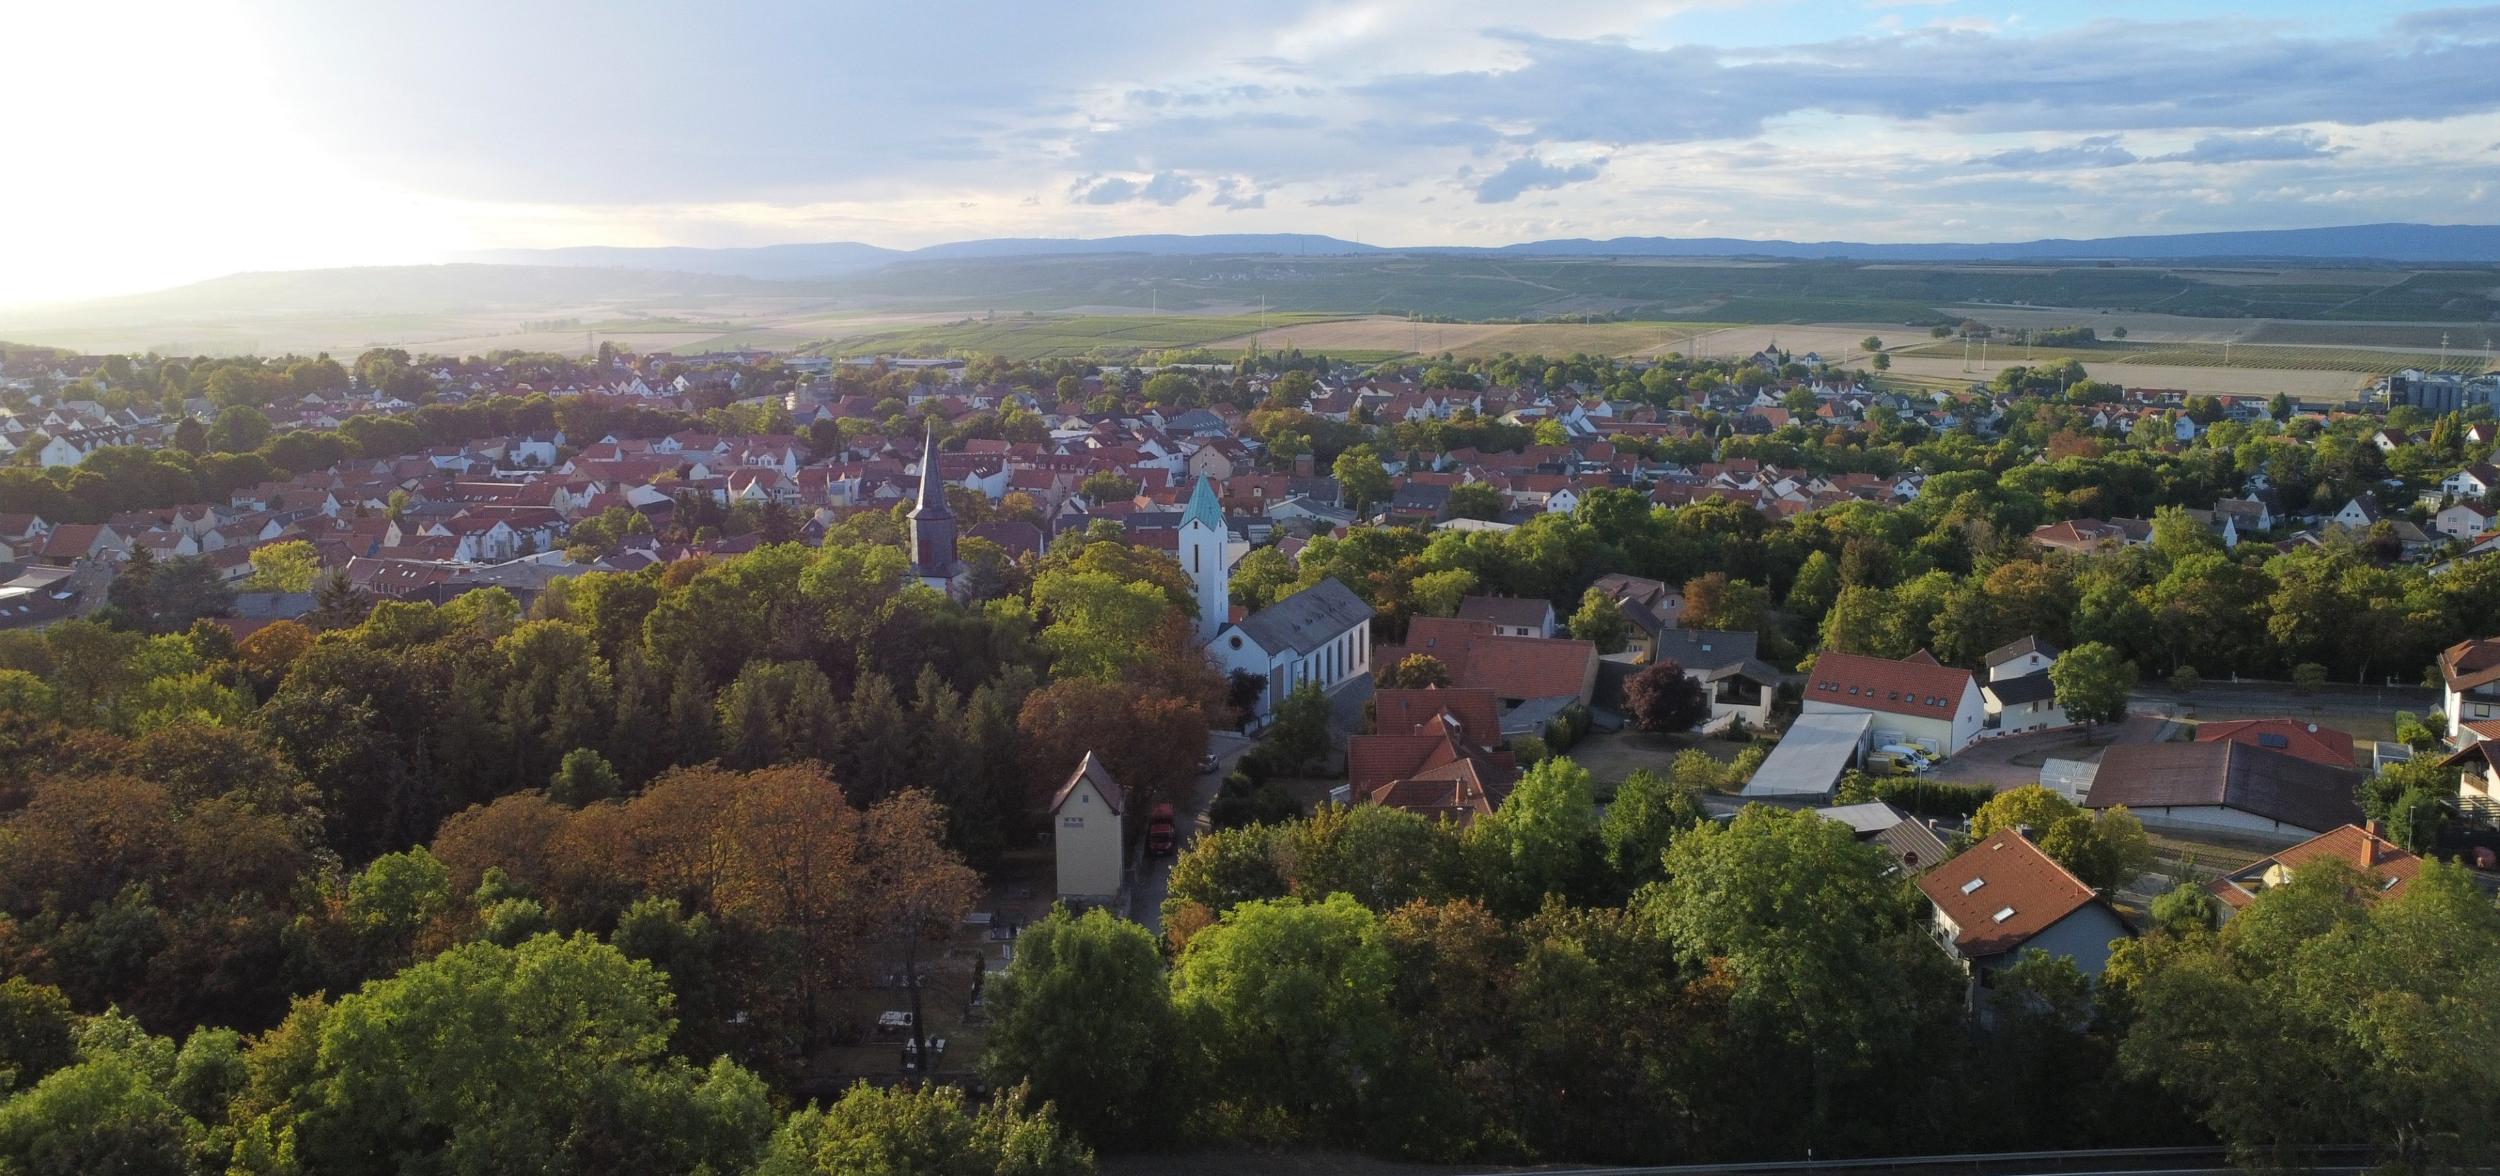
point(2018, 693)
point(2003, 897)
point(1651, 605)
point(1511, 616)
point(1518, 670)
point(1086, 835)
point(1740, 684)
point(1912, 701)
point(1320, 634)
point(2469, 689)
point(2464, 520)
point(1911, 843)
point(2365, 848)
point(2476, 481)
point(1434, 752)
point(2359, 512)
point(2478, 780)
point(2226, 787)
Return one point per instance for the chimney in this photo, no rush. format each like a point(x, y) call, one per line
point(2373, 833)
point(1301, 465)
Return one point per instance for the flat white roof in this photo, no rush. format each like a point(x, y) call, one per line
point(1811, 757)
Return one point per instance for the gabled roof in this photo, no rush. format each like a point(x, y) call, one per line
point(2471, 663)
point(2273, 784)
point(1918, 688)
point(2001, 892)
point(2035, 687)
point(2309, 741)
point(1511, 611)
point(1090, 770)
point(1306, 620)
point(1705, 649)
point(1400, 711)
point(2360, 848)
point(2018, 648)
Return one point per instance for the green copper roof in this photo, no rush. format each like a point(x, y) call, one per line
point(1203, 508)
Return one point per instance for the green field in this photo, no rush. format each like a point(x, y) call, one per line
point(2213, 355)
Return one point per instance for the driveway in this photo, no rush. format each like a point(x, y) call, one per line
point(2014, 760)
point(1155, 876)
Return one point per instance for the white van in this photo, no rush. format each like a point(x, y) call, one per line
point(1908, 756)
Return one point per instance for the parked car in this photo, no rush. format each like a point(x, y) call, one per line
point(1904, 757)
point(1206, 763)
point(1160, 837)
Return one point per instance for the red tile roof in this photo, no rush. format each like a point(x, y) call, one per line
point(1919, 688)
point(1510, 667)
point(2355, 846)
point(2309, 741)
point(2001, 892)
point(1397, 711)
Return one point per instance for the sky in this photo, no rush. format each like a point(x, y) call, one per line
point(168, 142)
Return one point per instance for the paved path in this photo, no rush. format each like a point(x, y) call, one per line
point(1155, 880)
point(1992, 761)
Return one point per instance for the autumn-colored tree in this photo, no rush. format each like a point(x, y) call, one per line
point(1662, 697)
point(1150, 741)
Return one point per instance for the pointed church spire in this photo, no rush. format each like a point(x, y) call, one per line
point(932, 521)
point(932, 500)
point(1203, 509)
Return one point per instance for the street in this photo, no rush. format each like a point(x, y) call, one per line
point(1155, 875)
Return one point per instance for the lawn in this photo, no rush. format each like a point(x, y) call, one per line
point(1611, 757)
point(2270, 357)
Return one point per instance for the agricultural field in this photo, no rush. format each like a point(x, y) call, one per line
point(2276, 357)
point(1036, 336)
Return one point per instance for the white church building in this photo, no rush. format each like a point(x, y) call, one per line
point(1321, 634)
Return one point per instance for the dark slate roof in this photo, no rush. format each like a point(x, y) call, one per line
point(2028, 688)
point(2014, 649)
point(1705, 649)
point(1307, 619)
point(2271, 784)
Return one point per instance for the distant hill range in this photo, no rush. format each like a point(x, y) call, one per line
point(2402, 243)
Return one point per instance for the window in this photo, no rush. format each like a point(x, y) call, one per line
point(2004, 914)
point(1973, 884)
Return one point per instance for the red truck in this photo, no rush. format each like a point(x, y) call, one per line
point(1159, 836)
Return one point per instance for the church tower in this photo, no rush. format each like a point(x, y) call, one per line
point(932, 521)
point(1204, 545)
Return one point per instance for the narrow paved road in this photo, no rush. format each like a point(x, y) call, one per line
point(1146, 903)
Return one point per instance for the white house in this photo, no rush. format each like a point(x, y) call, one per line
point(2469, 689)
point(1917, 700)
point(1321, 634)
point(2473, 481)
point(1086, 833)
point(1740, 685)
point(2462, 521)
point(2018, 693)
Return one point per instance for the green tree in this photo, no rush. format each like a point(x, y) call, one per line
point(284, 567)
point(104, 1115)
point(2321, 1015)
point(923, 1131)
point(1084, 1016)
point(1599, 622)
point(34, 1033)
point(1641, 821)
point(2092, 683)
point(1819, 945)
point(2106, 848)
point(1299, 734)
point(584, 778)
point(1362, 481)
point(239, 428)
point(1288, 1003)
point(549, 1056)
point(1545, 835)
point(1475, 500)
